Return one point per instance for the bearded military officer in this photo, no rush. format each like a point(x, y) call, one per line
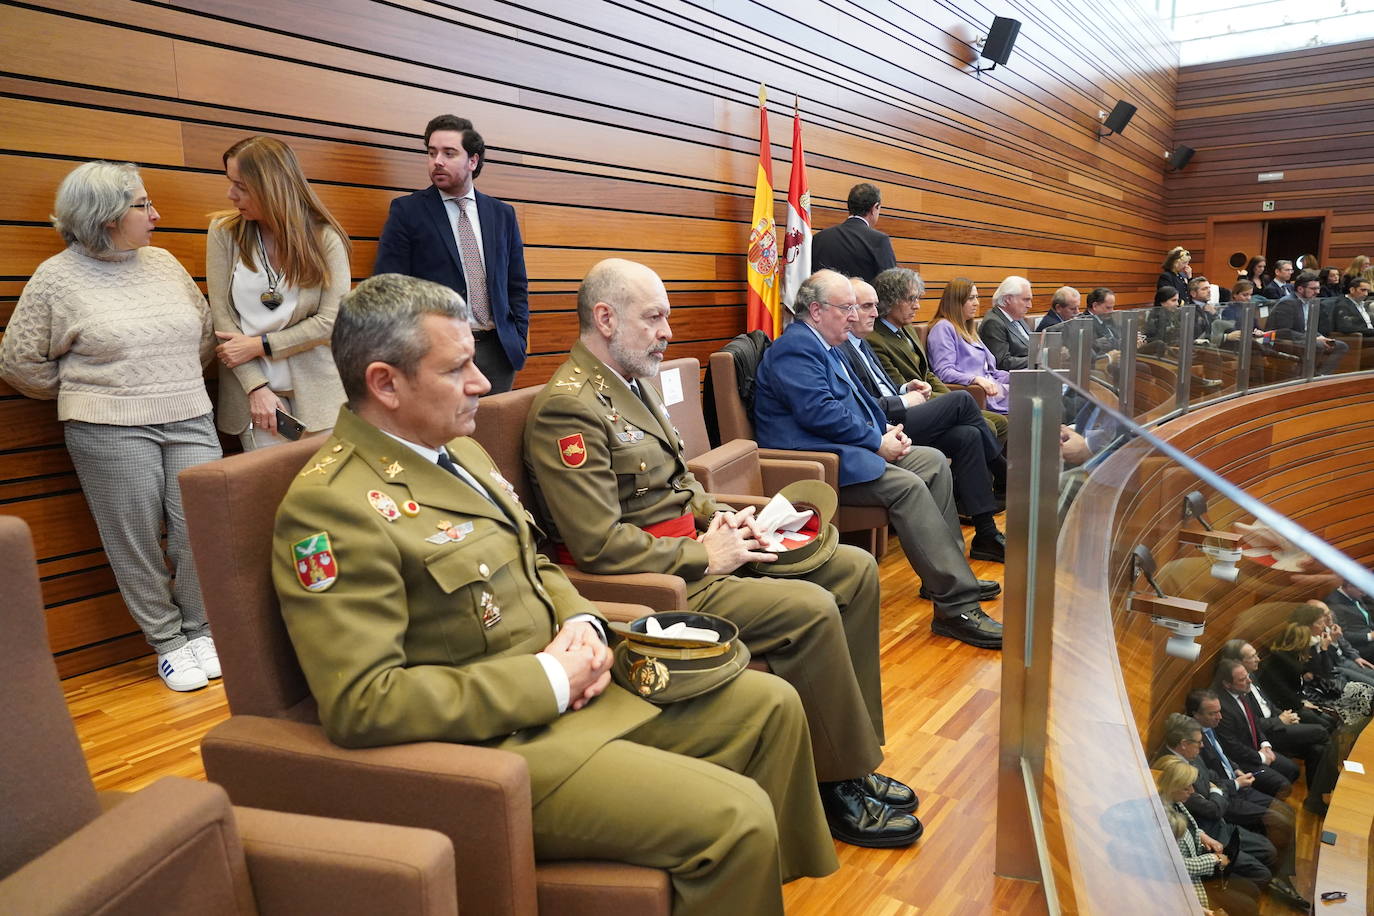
point(420, 611)
point(610, 478)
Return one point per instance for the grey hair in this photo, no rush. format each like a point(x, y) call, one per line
point(1011, 286)
point(379, 322)
point(1063, 296)
point(611, 281)
point(814, 290)
point(892, 284)
point(92, 196)
point(1177, 727)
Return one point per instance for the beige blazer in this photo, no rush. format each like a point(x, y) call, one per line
point(303, 343)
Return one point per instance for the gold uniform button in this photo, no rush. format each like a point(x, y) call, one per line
point(484, 570)
point(643, 466)
point(336, 449)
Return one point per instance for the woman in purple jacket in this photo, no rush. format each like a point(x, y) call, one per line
point(956, 354)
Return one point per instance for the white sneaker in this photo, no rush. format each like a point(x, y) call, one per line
point(180, 671)
point(207, 656)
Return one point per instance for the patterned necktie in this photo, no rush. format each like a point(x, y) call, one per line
point(474, 271)
point(837, 363)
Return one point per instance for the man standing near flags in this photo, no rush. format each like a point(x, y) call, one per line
point(854, 248)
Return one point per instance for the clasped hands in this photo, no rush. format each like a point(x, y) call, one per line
point(731, 540)
point(237, 349)
point(585, 659)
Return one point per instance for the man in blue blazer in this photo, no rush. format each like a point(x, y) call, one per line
point(453, 234)
point(805, 398)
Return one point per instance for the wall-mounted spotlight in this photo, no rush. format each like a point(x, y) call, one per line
point(997, 46)
point(1115, 121)
point(1180, 157)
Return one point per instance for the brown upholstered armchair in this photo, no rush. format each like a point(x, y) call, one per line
point(176, 846)
point(735, 423)
point(272, 752)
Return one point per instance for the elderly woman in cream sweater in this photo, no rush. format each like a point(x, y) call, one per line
point(117, 332)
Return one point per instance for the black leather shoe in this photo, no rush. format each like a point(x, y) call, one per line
point(987, 590)
point(1314, 804)
point(1282, 890)
point(858, 820)
point(973, 627)
point(895, 795)
point(991, 547)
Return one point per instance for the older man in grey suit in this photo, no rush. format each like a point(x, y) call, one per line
point(1004, 329)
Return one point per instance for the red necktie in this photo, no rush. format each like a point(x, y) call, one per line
point(1250, 717)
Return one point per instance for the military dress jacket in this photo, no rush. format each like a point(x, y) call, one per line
point(606, 464)
point(416, 606)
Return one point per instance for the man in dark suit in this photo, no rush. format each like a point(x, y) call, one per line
point(1101, 304)
point(1003, 329)
point(1351, 314)
point(453, 234)
point(1064, 306)
point(1279, 286)
point(805, 398)
point(951, 424)
point(854, 248)
point(1355, 617)
point(1288, 322)
point(1235, 720)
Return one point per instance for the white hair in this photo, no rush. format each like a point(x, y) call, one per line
point(1011, 286)
point(91, 197)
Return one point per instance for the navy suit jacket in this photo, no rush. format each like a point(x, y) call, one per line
point(418, 240)
point(802, 402)
point(853, 248)
point(1051, 319)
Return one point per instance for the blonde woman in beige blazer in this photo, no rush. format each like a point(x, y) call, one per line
point(276, 268)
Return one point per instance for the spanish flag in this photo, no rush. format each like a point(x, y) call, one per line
point(764, 312)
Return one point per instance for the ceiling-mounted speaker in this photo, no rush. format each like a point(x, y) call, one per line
point(1001, 39)
point(1119, 117)
point(1180, 157)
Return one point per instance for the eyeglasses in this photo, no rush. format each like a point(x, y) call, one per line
point(851, 309)
point(147, 206)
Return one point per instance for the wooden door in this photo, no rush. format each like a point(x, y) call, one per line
point(1231, 244)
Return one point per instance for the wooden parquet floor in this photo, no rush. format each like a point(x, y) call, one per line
point(941, 706)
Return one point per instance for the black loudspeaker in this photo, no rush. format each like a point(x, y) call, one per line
point(1001, 39)
point(1179, 158)
point(1120, 116)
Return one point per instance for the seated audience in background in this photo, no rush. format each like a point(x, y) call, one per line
point(1359, 267)
point(1003, 329)
point(1331, 282)
point(117, 332)
point(856, 247)
point(820, 630)
point(1308, 713)
point(524, 667)
point(1161, 323)
point(1288, 323)
point(1297, 669)
point(952, 424)
point(1101, 302)
point(1176, 271)
point(1224, 332)
point(1064, 306)
point(1210, 801)
point(805, 398)
point(1352, 312)
point(956, 353)
point(1356, 617)
point(1330, 641)
point(1204, 310)
point(1203, 856)
point(899, 298)
point(1255, 272)
point(1290, 735)
point(1234, 734)
point(276, 267)
point(1279, 285)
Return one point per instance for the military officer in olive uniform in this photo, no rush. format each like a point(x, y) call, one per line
point(420, 611)
point(609, 474)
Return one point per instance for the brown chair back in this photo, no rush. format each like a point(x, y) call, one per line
point(686, 414)
point(231, 507)
point(45, 790)
point(501, 431)
point(734, 420)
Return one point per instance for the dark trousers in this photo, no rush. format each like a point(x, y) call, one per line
point(1319, 754)
point(953, 424)
point(491, 358)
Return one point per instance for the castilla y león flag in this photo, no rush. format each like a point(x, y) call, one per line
point(764, 311)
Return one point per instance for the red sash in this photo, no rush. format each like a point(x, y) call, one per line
point(684, 526)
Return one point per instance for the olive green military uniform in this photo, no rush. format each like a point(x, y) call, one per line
point(903, 360)
point(605, 465)
point(416, 606)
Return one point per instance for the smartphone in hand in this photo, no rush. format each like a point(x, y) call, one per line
point(288, 427)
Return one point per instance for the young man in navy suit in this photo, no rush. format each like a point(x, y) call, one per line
point(453, 234)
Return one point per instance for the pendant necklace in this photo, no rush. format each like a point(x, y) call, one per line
point(271, 298)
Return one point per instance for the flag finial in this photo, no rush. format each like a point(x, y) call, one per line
point(763, 94)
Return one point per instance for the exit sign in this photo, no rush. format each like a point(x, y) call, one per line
point(1267, 206)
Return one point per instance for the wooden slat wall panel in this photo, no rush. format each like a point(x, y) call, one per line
point(629, 128)
point(1306, 113)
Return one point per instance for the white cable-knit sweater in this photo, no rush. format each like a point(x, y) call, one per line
point(120, 339)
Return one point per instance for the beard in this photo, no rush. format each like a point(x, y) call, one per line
point(637, 363)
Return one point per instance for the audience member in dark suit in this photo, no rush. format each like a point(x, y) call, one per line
point(1204, 310)
point(1288, 323)
point(1254, 272)
point(951, 424)
point(1285, 728)
point(1351, 314)
point(804, 398)
point(1101, 304)
point(1331, 282)
point(1176, 271)
point(1003, 329)
point(1278, 287)
point(1355, 616)
point(1235, 722)
point(899, 298)
point(453, 234)
point(1161, 324)
point(854, 248)
point(1064, 306)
